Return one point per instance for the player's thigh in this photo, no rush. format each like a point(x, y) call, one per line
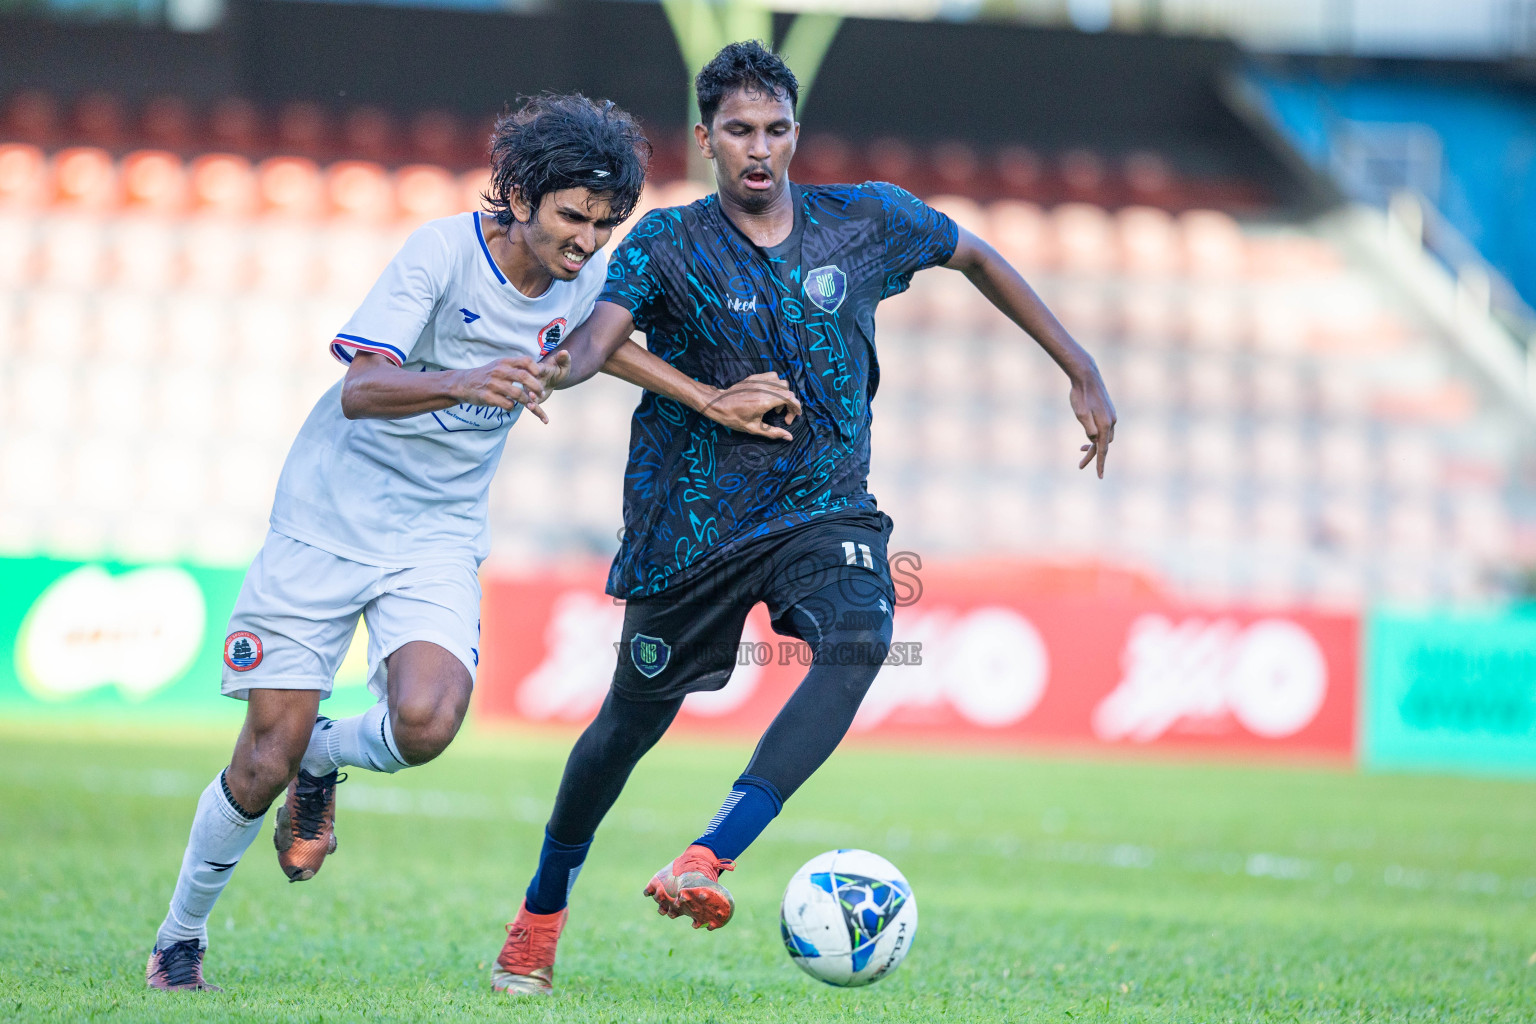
point(833, 577)
point(684, 639)
point(424, 635)
point(293, 619)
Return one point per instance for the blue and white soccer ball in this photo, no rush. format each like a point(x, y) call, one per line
point(848, 917)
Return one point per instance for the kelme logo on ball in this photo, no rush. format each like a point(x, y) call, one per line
point(827, 287)
point(242, 651)
point(650, 654)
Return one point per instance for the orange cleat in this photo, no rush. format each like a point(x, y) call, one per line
point(178, 968)
point(526, 966)
point(690, 887)
point(306, 825)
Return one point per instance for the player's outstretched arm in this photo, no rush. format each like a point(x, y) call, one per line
point(602, 343)
point(1006, 289)
point(376, 388)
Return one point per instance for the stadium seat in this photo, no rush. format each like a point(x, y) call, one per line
point(824, 157)
point(1075, 516)
point(1213, 244)
point(154, 180)
point(23, 176)
point(127, 326)
point(1084, 236)
point(1210, 449)
point(85, 178)
point(956, 167)
point(283, 257)
point(55, 325)
point(145, 253)
point(360, 191)
point(1019, 171)
point(1144, 519)
point(473, 185)
point(369, 133)
point(1344, 457)
point(1277, 454)
point(1211, 385)
point(1149, 177)
point(290, 186)
point(1009, 517)
point(423, 193)
point(224, 184)
point(304, 128)
point(437, 137)
point(965, 212)
point(1147, 315)
point(100, 119)
point(1143, 381)
point(1211, 516)
point(32, 116)
point(1279, 521)
point(237, 124)
point(1214, 320)
point(895, 161)
point(1018, 231)
point(217, 254)
point(1275, 387)
point(1084, 177)
point(167, 122)
point(18, 250)
point(1148, 240)
point(1010, 440)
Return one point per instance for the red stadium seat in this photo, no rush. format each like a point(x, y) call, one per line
point(1084, 176)
point(359, 190)
point(424, 192)
point(1150, 177)
point(824, 158)
point(290, 186)
point(32, 116)
point(236, 124)
point(965, 212)
point(1019, 171)
point(304, 128)
point(437, 137)
point(23, 175)
point(224, 183)
point(154, 180)
point(167, 122)
point(100, 119)
point(85, 177)
point(956, 167)
point(369, 133)
point(895, 161)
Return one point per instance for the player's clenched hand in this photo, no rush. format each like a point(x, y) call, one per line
point(1094, 410)
point(743, 405)
point(505, 384)
point(553, 369)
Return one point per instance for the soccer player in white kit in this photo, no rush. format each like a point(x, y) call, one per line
point(381, 505)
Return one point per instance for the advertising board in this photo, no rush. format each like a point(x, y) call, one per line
point(1451, 691)
point(975, 657)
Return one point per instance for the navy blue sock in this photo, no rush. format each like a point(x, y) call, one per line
point(751, 805)
point(559, 864)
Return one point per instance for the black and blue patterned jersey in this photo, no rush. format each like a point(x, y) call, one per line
point(719, 308)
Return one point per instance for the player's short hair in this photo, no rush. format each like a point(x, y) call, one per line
point(555, 142)
point(749, 65)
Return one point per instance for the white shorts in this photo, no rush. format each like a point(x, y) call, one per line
point(298, 608)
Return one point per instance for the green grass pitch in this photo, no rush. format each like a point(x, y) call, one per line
point(1050, 889)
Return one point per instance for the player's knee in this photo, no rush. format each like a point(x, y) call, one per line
point(422, 730)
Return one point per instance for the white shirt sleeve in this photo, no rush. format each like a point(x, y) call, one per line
point(401, 301)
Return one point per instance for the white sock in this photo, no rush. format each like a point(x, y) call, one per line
point(220, 835)
point(362, 741)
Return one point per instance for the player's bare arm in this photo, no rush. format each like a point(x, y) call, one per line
point(1006, 289)
point(602, 343)
point(376, 388)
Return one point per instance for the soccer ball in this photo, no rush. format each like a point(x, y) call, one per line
point(848, 917)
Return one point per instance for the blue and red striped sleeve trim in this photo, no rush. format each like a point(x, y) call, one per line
point(345, 342)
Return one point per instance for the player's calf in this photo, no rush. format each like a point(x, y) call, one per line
point(690, 887)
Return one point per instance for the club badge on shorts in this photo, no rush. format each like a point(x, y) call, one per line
point(827, 287)
point(242, 651)
point(650, 654)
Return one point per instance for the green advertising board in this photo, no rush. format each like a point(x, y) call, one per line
point(105, 639)
point(1451, 691)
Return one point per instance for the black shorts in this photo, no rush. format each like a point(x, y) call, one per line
point(688, 637)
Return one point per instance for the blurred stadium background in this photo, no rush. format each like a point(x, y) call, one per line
point(1298, 235)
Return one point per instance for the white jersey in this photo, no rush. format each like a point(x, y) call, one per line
point(411, 491)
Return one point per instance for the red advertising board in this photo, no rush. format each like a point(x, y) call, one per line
point(981, 655)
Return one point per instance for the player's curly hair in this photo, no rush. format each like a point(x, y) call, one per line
point(749, 65)
point(557, 142)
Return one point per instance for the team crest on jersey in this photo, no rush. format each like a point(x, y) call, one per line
point(827, 287)
point(650, 654)
point(242, 651)
point(551, 336)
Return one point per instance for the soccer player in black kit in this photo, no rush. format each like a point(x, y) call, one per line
point(777, 281)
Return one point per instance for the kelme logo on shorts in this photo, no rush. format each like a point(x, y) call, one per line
point(242, 651)
point(827, 287)
point(650, 654)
